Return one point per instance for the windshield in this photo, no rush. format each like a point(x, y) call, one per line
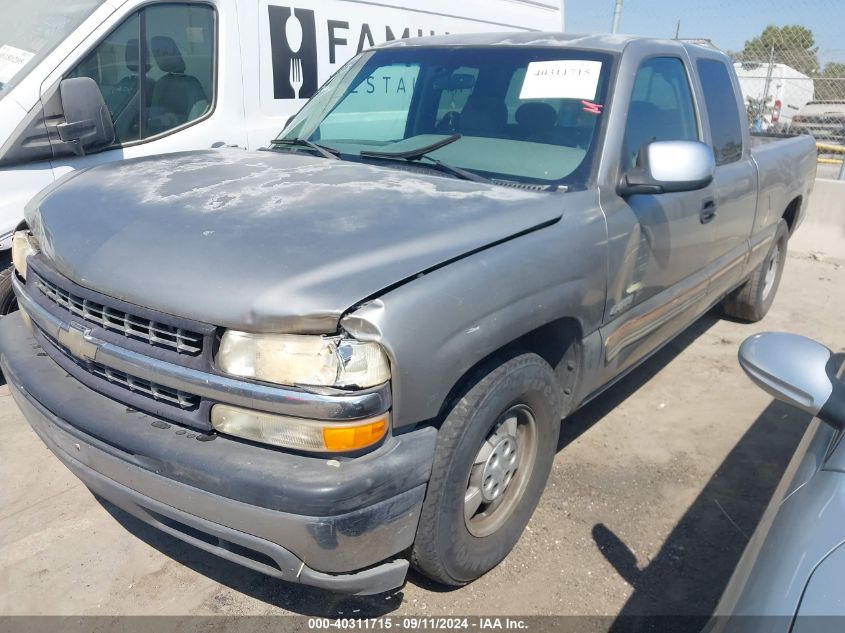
point(509, 113)
point(30, 30)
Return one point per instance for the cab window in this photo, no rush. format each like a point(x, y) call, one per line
point(725, 124)
point(158, 82)
point(661, 107)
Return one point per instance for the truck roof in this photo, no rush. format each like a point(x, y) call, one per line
point(595, 41)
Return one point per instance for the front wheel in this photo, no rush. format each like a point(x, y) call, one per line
point(8, 301)
point(494, 454)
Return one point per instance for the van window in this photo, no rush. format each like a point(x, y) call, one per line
point(725, 125)
point(114, 65)
point(661, 107)
point(162, 81)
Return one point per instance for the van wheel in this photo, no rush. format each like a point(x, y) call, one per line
point(752, 300)
point(494, 453)
point(8, 301)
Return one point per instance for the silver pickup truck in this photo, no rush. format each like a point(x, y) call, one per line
point(352, 352)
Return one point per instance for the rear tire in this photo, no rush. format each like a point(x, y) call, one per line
point(495, 449)
point(752, 300)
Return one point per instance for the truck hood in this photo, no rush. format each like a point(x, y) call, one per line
point(267, 241)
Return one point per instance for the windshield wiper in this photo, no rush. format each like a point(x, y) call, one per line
point(322, 150)
point(422, 153)
point(456, 171)
point(413, 154)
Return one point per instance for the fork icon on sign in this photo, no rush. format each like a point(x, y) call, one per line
point(293, 32)
point(296, 76)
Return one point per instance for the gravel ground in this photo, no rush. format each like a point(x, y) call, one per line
point(655, 491)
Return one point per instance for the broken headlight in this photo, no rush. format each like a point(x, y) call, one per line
point(294, 359)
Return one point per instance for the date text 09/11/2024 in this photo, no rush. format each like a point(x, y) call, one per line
point(418, 623)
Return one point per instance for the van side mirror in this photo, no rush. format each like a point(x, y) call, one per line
point(799, 371)
point(669, 167)
point(88, 125)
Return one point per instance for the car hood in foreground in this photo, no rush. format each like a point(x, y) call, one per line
point(267, 241)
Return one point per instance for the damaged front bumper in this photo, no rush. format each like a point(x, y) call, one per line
point(334, 524)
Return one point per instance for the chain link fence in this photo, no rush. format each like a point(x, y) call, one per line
point(789, 55)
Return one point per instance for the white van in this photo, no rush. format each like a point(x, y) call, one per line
point(88, 81)
point(782, 89)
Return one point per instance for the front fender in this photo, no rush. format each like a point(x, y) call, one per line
point(438, 326)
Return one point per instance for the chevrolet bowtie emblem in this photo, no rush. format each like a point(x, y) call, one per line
point(78, 341)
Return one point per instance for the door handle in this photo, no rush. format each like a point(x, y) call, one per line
point(708, 211)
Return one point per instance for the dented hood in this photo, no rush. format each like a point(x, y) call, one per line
point(267, 241)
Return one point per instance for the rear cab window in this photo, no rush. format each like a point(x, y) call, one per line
point(722, 111)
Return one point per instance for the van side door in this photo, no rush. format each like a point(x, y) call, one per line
point(735, 181)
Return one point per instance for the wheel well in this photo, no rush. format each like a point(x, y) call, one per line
point(791, 213)
point(558, 343)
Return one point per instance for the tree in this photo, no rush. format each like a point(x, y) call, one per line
point(831, 85)
point(792, 45)
point(834, 70)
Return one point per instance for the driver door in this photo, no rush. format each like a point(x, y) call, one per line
point(660, 244)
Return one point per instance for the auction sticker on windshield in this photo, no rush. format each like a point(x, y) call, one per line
point(561, 79)
point(12, 59)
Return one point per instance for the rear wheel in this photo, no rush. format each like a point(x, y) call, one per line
point(751, 301)
point(494, 453)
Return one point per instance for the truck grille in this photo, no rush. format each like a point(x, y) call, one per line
point(159, 334)
point(145, 387)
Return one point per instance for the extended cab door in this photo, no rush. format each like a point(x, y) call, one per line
point(659, 244)
point(735, 181)
point(169, 73)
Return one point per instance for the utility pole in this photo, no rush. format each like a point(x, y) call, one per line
point(617, 14)
point(563, 15)
point(768, 84)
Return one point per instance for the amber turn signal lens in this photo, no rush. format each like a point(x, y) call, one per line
point(351, 438)
point(298, 433)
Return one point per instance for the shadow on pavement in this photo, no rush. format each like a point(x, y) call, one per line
point(593, 412)
point(693, 566)
point(298, 599)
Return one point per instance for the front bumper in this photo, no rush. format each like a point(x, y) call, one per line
point(333, 524)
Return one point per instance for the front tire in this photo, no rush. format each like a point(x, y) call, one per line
point(494, 454)
point(8, 301)
point(752, 300)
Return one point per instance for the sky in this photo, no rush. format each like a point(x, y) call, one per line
point(728, 23)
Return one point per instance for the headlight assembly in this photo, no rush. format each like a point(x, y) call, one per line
point(294, 359)
point(23, 245)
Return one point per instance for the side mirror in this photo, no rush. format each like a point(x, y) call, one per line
point(668, 167)
point(798, 371)
point(88, 125)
